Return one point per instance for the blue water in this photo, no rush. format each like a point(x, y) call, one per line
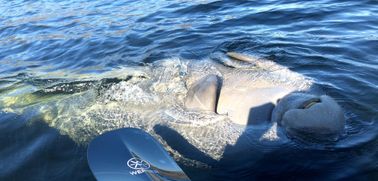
point(333, 42)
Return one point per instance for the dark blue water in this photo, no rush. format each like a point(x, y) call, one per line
point(333, 42)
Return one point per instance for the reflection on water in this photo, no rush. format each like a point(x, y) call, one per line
point(72, 70)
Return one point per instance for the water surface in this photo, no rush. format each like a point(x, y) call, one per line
point(45, 43)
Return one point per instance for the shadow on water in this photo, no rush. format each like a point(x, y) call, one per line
point(249, 159)
point(33, 150)
point(181, 145)
point(258, 114)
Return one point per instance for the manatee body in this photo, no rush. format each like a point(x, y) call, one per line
point(249, 106)
point(194, 108)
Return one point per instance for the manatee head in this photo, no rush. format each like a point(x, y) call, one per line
point(307, 116)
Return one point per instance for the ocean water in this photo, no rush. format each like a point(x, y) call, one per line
point(60, 61)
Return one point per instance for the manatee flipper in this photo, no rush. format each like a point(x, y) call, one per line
point(242, 57)
point(203, 95)
point(256, 62)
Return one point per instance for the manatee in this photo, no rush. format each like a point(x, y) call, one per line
point(156, 99)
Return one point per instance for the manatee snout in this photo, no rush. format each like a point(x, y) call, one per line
point(310, 117)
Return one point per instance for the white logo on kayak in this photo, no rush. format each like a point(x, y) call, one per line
point(138, 165)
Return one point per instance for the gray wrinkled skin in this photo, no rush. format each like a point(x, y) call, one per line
point(322, 121)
